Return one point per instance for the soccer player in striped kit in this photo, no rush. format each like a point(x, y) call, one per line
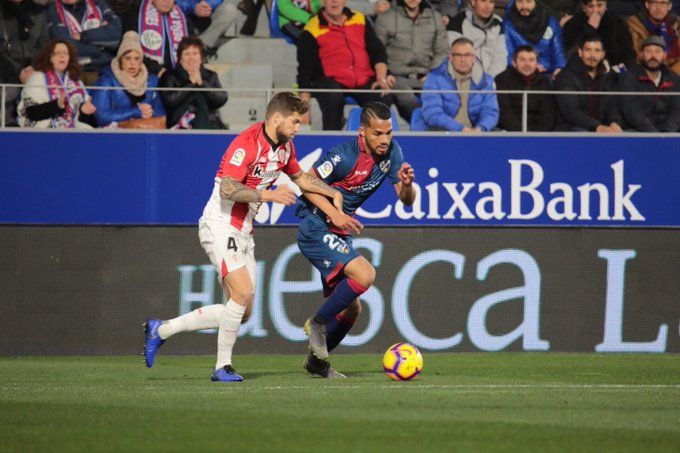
point(356, 168)
point(250, 166)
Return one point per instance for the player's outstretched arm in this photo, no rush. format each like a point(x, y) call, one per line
point(404, 187)
point(337, 217)
point(230, 189)
point(310, 183)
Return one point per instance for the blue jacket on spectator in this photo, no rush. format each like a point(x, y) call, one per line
point(188, 6)
point(549, 47)
point(96, 46)
point(116, 105)
point(439, 109)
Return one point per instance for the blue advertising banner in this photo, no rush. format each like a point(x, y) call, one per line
point(165, 179)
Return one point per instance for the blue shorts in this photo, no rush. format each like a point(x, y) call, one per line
point(327, 251)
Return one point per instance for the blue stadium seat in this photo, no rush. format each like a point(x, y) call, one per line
point(274, 30)
point(417, 121)
point(354, 119)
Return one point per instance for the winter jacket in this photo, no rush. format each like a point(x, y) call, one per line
point(23, 42)
point(413, 47)
point(541, 108)
point(115, 105)
point(638, 32)
point(489, 42)
point(549, 47)
point(613, 31)
point(346, 54)
point(188, 6)
point(202, 103)
point(96, 45)
point(573, 108)
point(439, 109)
point(290, 12)
point(651, 113)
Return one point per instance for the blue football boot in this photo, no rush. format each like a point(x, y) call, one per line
point(152, 341)
point(226, 374)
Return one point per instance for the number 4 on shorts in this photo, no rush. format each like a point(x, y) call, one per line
point(231, 244)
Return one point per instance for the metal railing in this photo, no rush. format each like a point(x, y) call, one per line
point(267, 93)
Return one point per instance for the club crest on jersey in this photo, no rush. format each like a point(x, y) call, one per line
point(385, 166)
point(325, 169)
point(237, 157)
point(259, 172)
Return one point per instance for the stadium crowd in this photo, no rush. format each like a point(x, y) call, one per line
point(57, 48)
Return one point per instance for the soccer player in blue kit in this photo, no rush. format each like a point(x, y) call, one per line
point(355, 168)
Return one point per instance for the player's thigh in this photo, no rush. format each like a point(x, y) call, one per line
point(361, 271)
point(327, 252)
point(228, 250)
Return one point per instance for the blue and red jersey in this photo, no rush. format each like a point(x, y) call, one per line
point(355, 172)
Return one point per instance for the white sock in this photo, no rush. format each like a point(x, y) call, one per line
point(199, 319)
point(230, 321)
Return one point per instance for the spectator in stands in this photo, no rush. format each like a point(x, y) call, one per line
point(91, 26)
point(211, 18)
point(415, 41)
point(192, 109)
point(595, 18)
point(161, 26)
point(369, 8)
point(54, 96)
point(133, 97)
point(24, 30)
point(656, 19)
point(462, 111)
point(479, 24)
point(651, 113)
point(528, 23)
point(338, 49)
point(524, 75)
point(587, 72)
point(294, 15)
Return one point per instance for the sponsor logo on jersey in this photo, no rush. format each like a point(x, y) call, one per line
point(237, 157)
point(385, 166)
point(325, 169)
point(259, 172)
point(361, 172)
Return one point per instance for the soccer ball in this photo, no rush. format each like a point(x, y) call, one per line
point(402, 362)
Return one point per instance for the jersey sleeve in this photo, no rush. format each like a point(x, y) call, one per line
point(331, 166)
point(292, 166)
point(236, 160)
point(396, 159)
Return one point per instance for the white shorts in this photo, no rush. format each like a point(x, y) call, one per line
point(227, 248)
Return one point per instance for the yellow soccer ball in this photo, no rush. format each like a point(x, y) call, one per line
point(402, 362)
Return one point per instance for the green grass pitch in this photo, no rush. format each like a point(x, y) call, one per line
point(462, 402)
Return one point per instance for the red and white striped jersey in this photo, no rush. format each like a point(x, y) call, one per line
point(252, 161)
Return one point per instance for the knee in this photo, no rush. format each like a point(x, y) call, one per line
point(363, 274)
point(244, 296)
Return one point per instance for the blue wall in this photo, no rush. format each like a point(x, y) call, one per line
point(119, 178)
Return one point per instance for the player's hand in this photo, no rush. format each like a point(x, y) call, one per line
point(345, 222)
point(337, 201)
point(282, 194)
point(405, 174)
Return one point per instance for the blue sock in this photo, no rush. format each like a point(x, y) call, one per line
point(344, 293)
point(337, 329)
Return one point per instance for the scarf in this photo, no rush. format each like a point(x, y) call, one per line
point(75, 95)
point(155, 28)
point(463, 84)
point(92, 18)
point(532, 28)
point(134, 85)
point(666, 31)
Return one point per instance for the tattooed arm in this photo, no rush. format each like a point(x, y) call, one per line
point(230, 189)
point(310, 183)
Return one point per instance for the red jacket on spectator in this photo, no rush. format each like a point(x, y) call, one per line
point(345, 53)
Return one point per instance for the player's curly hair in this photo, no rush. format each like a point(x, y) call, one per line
point(286, 103)
point(43, 64)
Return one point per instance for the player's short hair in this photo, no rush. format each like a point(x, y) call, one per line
point(462, 40)
point(524, 48)
point(375, 110)
point(286, 103)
